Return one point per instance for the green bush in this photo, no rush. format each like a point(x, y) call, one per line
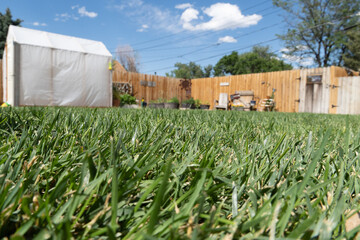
point(127, 99)
point(189, 101)
point(197, 103)
point(160, 100)
point(173, 100)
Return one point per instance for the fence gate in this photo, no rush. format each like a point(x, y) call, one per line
point(348, 95)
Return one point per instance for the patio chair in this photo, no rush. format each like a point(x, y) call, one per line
point(223, 102)
point(245, 98)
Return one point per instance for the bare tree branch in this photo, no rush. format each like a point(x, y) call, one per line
point(128, 58)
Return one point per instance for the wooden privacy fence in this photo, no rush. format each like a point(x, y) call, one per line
point(284, 83)
point(150, 87)
point(319, 89)
point(292, 90)
point(348, 95)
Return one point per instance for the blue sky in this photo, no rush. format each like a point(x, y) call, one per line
point(161, 32)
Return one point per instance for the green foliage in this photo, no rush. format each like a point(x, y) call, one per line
point(260, 59)
point(315, 28)
point(190, 71)
point(226, 65)
point(160, 100)
point(352, 55)
point(158, 174)
point(5, 21)
point(197, 103)
point(189, 101)
point(127, 99)
point(208, 70)
point(173, 100)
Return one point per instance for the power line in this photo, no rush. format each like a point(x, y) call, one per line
point(212, 45)
point(190, 37)
point(217, 55)
point(174, 34)
point(182, 40)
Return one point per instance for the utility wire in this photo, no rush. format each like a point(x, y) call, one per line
point(182, 39)
point(174, 34)
point(189, 37)
point(217, 55)
point(271, 40)
point(212, 45)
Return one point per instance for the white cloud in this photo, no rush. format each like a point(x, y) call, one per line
point(184, 6)
point(128, 4)
point(39, 24)
point(63, 17)
point(301, 61)
point(189, 15)
point(83, 13)
point(227, 39)
point(141, 12)
point(222, 16)
point(143, 28)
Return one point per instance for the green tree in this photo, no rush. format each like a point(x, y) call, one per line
point(315, 28)
point(226, 65)
point(208, 71)
point(190, 71)
point(5, 21)
point(260, 59)
point(352, 55)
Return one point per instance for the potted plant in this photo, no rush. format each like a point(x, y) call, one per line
point(237, 107)
point(205, 105)
point(159, 103)
point(197, 104)
point(188, 104)
point(152, 104)
point(128, 101)
point(172, 103)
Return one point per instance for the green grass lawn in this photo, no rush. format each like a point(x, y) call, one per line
point(130, 174)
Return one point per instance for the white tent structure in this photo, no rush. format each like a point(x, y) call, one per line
point(46, 69)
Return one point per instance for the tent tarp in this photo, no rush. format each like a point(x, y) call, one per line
point(25, 36)
point(55, 70)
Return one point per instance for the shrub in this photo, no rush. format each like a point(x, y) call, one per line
point(173, 100)
point(189, 101)
point(197, 103)
point(160, 100)
point(127, 99)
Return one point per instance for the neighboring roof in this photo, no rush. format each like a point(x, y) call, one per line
point(51, 40)
point(118, 67)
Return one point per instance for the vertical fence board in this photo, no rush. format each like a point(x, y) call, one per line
point(165, 87)
point(209, 89)
point(348, 95)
